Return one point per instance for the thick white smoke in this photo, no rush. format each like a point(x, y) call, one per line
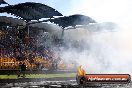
point(106, 52)
point(101, 52)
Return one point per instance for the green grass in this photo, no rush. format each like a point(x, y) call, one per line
point(39, 76)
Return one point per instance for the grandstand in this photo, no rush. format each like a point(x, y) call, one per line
point(26, 39)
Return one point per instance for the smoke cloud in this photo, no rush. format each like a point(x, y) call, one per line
point(103, 52)
point(99, 52)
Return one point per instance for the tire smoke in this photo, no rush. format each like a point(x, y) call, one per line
point(99, 52)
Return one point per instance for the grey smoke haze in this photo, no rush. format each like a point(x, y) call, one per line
point(100, 48)
point(102, 52)
point(11, 21)
point(107, 51)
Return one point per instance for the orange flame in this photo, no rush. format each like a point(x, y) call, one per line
point(81, 71)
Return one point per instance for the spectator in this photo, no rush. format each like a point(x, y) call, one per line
point(19, 71)
point(22, 69)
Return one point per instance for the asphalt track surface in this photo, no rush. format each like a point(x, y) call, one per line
point(53, 83)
